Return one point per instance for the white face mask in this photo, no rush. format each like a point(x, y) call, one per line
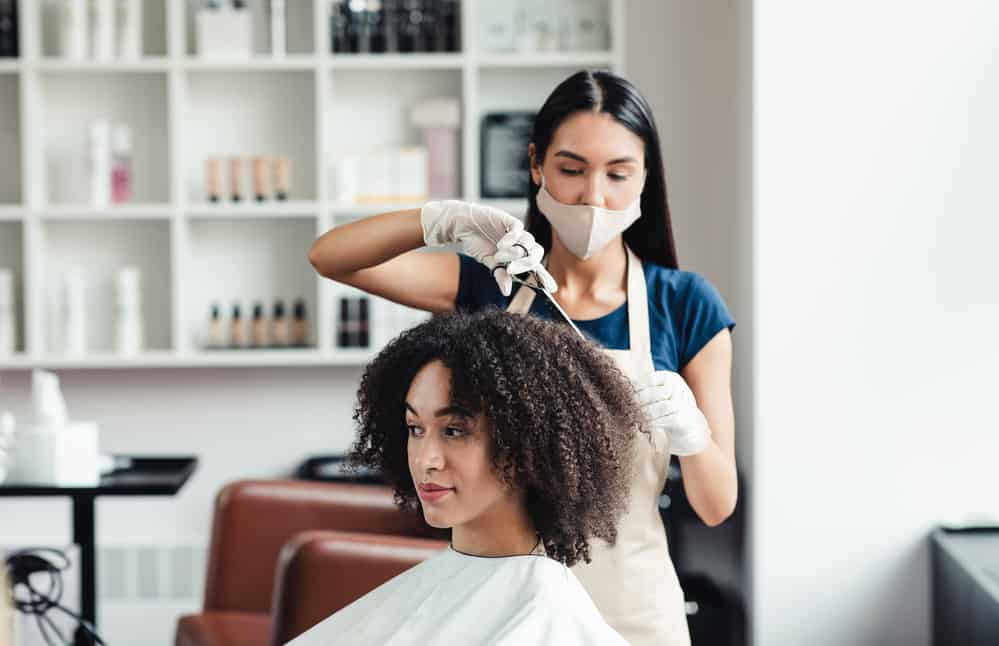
point(583, 229)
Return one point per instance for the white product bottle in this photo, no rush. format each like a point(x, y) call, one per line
point(7, 333)
point(73, 30)
point(278, 47)
point(102, 35)
point(100, 164)
point(6, 449)
point(129, 327)
point(74, 316)
point(121, 164)
point(129, 29)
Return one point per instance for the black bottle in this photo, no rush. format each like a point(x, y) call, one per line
point(375, 19)
point(339, 27)
point(412, 38)
point(9, 47)
point(236, 334)
point(363, 323)
point(299, 325)
point(391, 21)
point(343, 336)
point(447, 26)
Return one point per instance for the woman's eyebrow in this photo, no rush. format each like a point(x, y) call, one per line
point(580, 158)
point(454, 409)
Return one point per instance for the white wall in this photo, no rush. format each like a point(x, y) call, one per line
point(692, 62)
point(876, 301)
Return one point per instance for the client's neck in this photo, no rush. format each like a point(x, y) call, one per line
point(503, 530)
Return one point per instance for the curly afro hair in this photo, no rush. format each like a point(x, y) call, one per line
point(562, 418)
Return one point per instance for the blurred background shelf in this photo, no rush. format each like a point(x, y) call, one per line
point(312, 106)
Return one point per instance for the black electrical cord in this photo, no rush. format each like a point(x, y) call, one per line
point(34, 602)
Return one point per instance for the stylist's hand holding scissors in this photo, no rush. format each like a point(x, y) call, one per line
point(493, 237)
point(669, 404)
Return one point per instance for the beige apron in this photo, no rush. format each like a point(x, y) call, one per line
point(633, 583)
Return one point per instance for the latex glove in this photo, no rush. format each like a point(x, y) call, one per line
point(668, 403)
point(491, 236)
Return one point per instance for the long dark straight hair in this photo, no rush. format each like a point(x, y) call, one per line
point(651, 236)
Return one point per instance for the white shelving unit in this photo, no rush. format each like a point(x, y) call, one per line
point(310, 105)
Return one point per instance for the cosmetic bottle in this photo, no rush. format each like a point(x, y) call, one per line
point(299, 325)
point(73, 30)
point(258, 329)
point(282, 177)
point(9, 45)
point(74, 315)
point(236, 179)
point(213, 179)
point(215, 337)
point(278, 46)
point(439, 121)
point(129, 29)
point(343, 325)
point(363, 322)
point(121, 164)
point(339, 27)
point(129, 328)
point(279, 326)
point(236, 336)
point(448, 27)
point(390, 24)
point(102, 30)
point(100, 164)
point(412, 37)
point(260, 183)
point(7, 330)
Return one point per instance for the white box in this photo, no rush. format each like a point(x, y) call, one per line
point(411, 168)
point(65, 456)
point(224, 33)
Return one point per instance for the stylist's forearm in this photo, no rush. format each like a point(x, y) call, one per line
point(710, 483)
point(366, 243)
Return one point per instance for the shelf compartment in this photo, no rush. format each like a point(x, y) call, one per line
point(71, 102)
point(12, 258)
point(245, 114)
point(10, 140)
point(299, 28)
point(99, 248)
point(369, 114)
point(154, 20)
point(258, 260)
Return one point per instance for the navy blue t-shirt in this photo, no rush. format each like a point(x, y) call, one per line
point(685, 311)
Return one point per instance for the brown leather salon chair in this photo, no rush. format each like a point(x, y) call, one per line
point(272, 569)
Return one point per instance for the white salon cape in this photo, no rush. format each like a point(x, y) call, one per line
point(457, 599)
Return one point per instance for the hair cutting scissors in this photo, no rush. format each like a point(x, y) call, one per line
point(536, 286)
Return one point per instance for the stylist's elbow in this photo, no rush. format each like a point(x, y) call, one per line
point(316, 259)
point(719, 514)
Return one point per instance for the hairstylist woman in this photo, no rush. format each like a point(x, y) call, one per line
point(597, 206)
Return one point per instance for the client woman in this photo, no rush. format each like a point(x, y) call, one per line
point(517, 434)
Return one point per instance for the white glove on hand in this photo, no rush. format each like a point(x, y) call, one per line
point(669, 404)
point(491, 236)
